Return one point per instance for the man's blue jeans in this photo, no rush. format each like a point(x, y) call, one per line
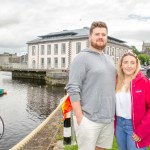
point(124, 131)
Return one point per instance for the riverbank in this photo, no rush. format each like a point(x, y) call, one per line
point(53, 77)
point(47, 138)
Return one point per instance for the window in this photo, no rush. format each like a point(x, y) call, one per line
point(112, 51)
point(33, 64)
point(33, 50)
point(121, 52)
point(42, 63)
point(63, 48)
point(117, 52)
point(42, 49)
point(48, 62)
point(48, 49)
point(107, 50)
point(78, 47)
point(55, 62)
point(55, 49)
point(63, 62)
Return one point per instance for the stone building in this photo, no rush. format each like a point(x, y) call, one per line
point(7, 58)
point(57, 50)
point(146, 48)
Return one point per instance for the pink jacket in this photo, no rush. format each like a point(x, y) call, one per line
point(140, 96)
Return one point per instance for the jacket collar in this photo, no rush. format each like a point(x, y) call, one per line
point(138, 77)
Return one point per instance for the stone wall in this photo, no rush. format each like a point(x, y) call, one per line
point(49, 77)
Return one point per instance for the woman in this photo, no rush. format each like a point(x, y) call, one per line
point(132, 105)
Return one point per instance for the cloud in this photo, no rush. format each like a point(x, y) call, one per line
point(138, 17)
point(8, 22)
point(22, 21)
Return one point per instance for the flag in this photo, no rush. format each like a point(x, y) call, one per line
point(66, 107)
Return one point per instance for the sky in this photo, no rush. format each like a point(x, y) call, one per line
point(25, 20)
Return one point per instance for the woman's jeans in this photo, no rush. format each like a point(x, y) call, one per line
point(124, 131)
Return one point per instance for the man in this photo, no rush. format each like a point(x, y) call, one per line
point(91, 88)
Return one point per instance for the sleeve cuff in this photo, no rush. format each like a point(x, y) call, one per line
point(74, 97)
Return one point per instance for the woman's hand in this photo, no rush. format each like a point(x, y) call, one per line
point(136, 138)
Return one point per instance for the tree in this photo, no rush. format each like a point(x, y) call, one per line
point(134, 49)
point(144, 59)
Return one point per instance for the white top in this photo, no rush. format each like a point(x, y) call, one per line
point(123, 104)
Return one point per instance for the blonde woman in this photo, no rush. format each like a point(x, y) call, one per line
point(132, 105)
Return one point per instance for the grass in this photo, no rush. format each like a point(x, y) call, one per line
point(75, 147)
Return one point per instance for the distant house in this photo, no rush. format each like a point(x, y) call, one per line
point(57, 50)
point(4, 58)
point(7, 58)
point(146, 48)
point(24, 58)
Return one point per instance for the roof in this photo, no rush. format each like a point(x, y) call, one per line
point(67, 35)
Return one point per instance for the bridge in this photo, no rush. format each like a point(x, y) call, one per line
point(53, 77)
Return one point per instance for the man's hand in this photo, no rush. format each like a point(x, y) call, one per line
point(79, 119)
point(136, 138)
point(77, 111)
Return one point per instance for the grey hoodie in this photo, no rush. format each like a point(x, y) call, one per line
point(92, 80)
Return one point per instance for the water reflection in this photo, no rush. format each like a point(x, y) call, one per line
point(43, 100)
point(24, 107)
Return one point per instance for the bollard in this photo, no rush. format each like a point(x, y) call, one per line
point(67, 129)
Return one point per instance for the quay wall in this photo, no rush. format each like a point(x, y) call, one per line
point(49, 77)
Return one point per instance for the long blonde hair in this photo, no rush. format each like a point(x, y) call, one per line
point(121, 78)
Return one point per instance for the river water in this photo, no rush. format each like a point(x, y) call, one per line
point(24, 107)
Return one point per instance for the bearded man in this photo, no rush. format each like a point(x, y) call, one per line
point(91, 88)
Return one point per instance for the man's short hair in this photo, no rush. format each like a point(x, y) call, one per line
point(99, 24)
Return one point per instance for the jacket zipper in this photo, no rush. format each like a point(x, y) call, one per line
point(133, 110)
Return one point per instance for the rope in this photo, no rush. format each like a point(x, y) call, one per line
point(2, 122)
point(22, 143)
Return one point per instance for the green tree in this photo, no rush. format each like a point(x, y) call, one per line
point(134, 49)
point(144, 59)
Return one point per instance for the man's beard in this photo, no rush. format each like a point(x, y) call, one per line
point(98, 47)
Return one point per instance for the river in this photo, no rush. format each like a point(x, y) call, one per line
point(24, 107)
